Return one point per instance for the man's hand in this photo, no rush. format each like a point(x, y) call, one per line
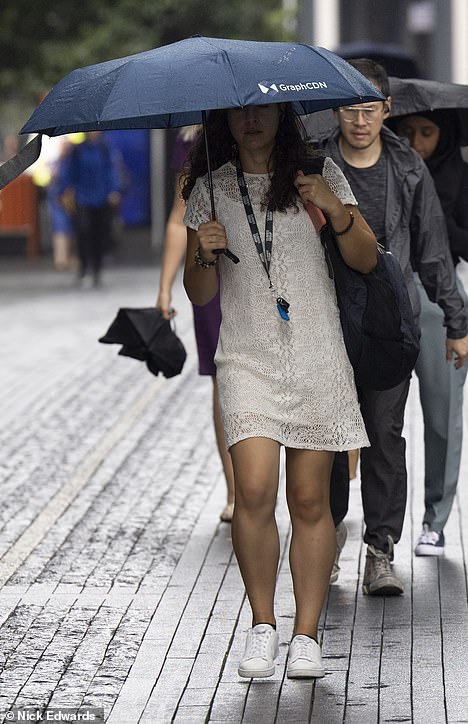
point(459, 347)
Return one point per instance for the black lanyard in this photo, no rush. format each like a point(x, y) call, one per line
point(263, 251)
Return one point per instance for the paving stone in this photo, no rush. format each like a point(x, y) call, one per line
point(192, 714)
point(167, 691)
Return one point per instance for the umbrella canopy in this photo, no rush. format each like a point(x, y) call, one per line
point(175, 85)
point(170, 86)
point(413, 95)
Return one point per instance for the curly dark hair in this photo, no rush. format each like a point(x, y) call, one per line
point(290, 151)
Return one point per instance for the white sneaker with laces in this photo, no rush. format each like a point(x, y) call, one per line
point(261, 650)
point(305, 659)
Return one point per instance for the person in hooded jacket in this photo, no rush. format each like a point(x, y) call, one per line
point(436, 137)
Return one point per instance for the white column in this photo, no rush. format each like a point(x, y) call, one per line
point(158, 187)
point(459, 48)
point(326, 23)
point(290, 17)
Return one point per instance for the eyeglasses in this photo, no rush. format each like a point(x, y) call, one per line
point(350, 114)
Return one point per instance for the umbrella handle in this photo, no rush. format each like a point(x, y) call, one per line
point(226, 252)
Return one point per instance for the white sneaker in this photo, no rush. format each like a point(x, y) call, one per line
point(341, 535)
point(305, 659)
point(261, 650)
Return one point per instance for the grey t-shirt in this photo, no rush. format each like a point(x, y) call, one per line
point(369, 185)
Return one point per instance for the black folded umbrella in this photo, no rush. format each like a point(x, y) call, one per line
point(147, 336)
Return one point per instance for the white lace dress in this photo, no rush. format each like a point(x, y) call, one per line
point(290, 381)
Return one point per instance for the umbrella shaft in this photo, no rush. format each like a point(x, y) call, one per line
point(210, 177)
point(228, 253)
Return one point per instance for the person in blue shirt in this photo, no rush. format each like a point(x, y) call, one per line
point(90, 176)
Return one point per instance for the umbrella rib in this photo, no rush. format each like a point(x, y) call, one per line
point(111, 88)
point(330, 63)
point(225, 55)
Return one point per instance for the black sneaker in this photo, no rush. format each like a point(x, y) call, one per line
point(430, 542)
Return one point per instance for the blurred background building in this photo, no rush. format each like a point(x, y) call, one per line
point(432, 33)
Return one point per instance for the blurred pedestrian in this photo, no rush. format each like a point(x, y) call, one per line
point(90, 186)
point(206, 318)
point(436, 136)
point(397, 197)
point(283, 373)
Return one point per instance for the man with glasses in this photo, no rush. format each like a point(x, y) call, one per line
point(397, 198)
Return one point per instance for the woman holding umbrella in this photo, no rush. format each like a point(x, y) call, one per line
point(436, 136)
point(283, 374)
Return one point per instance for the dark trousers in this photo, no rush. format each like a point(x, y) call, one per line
point(339, 487)
point(93, 231)
point(383, 467)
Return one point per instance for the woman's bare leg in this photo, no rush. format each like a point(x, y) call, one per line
point(221, 443)
point(313, 541)
point(254, 533)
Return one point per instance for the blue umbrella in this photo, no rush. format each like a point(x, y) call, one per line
point(170, 86)
point(175, 85)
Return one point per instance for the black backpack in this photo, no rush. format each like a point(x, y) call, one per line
point(379, 330)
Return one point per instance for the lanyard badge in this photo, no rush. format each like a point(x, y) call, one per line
point(263, 251)
point(283, 308)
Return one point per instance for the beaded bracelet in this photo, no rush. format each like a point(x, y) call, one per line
point(200, 261)
point(345, 231)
